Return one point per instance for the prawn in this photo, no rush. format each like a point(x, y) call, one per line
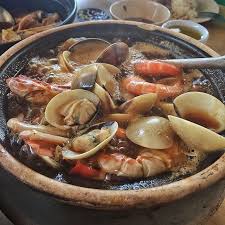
point(156, 68)
point(43, 144)
point(34, 91)
point(148, 163)
point(138, 86)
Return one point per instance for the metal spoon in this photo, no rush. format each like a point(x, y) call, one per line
point(199, 63)
point(6, 19)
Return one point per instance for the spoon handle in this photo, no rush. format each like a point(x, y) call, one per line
point(199, 63)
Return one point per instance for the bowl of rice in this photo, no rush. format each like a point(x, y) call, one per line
point(189, 9)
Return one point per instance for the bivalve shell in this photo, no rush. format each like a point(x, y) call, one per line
point(151, 132)
point(203, 109)
point(197, 137)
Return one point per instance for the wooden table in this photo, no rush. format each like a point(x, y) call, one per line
point(217, 42)
point(216, 38)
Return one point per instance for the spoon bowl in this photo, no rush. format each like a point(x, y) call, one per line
point(199, 63)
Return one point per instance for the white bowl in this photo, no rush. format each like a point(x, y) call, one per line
point(191, 25)
point(144, 9)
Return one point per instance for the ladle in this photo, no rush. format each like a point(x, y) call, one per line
point(199, 63)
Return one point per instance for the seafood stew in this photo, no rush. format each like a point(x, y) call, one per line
point(112, 110)
point(27, 23)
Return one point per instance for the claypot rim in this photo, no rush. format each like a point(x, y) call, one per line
point(111, 199)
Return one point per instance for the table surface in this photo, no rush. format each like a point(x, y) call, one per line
point(11, 188)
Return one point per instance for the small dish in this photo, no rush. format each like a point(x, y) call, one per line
point(142, 11)
point(189, 28)
point(206, 6)
point(92, 14)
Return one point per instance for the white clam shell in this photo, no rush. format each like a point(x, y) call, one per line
point(64, 63)
point(151, 132)
point(203, 109)
point(70, 155)
point(52, 114)
point(106, 101)
point(87, 50)
point(140, 104)
point(196, 136)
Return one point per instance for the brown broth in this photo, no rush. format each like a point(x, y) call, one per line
point(188, 31)
point(202, 119)
point(140, 19)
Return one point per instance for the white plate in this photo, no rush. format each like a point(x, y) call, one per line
point(206, 6)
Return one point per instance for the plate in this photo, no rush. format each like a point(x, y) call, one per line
point(206, 6)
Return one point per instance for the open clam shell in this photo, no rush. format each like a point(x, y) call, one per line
point(120, 118)
point(101, 73)
point(151, 132)
point(85, 78)
point(80, 105)
point(64, 62)
point(87, 51)
point(115, 54)
point(71, 155)
point(203, 109)
point(197, 137)
point(106, 101)
point(140, 104)
point(88, 78)
point(106, 79)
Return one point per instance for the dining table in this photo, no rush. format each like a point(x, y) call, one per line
point(21, 205)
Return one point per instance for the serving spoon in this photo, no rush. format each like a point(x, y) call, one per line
point(199, 63)
point(6, 19)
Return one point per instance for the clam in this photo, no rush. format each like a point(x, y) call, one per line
point(140, 104)
point(203, 109)
point(120, 118)
point(88, 77)
point(90, 143)
point(106, 101)
point(6, 19)
point(64, 62)
point(85, 78)
point(197, 137)
point(102, 74)
point(87, 51)
point(68, 43)
point(106, 79)
point(151, 132)
point(167, 108)
point(71, 107)
point(115, 54)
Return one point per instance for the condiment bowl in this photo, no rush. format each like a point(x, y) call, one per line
point(142, 11)
point(191, 26)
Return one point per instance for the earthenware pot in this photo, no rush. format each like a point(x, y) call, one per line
point(159, 200)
